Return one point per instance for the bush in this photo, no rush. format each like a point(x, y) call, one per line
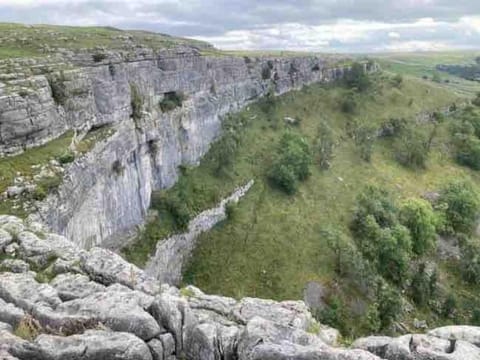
point(418, 216)
point(462, 205)
point(325, 145)
point(470, 262)
point(476, 101)
point(357, 78)
point(397, 80)
point(365, 136)
point(449, 306)
point(420, 288)
point(117, 167)
point(394, 253)
point(389, 305)
point(393, 127)
point(171, 101)
point(67, 157)
point(58, 88)
point(292, 164)
point(136, 103)
point(266, 73)
point(348, 105)
point(98, 57)
point(411, 149)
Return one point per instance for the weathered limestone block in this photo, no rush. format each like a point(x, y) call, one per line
point(470, 334)
point(75, 286)
point(119, 311)
point(10, 314)
point(91, 345)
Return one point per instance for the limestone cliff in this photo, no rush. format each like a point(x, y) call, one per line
point(39, 102)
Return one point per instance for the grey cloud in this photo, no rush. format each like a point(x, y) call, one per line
point(216, 19)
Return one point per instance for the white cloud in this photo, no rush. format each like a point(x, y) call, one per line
point(394, 35)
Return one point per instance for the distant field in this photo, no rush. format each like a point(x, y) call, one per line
point(423, 64)
point(17, 40)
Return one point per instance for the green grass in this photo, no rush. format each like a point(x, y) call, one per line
point(27, 40)
point(423, 64)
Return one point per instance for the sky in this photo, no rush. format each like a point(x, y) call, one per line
point(300, 25)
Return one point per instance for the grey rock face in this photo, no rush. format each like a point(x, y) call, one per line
point(91, 345)
point(5, 239)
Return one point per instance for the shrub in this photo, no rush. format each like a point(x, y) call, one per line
point(117, 167)
point(98, 57)
point(420, 288)
point(476, 101)
point(67, 157)
point(325, 145)
point(365, 136)
point(462, 206)
point(411, 149)
point(58, 88)
point(468, 152)
point(136, 102)
point(292, 164)
point(266, 73)
point(348, 105)
point(470, 262)
point(357, 78)
point(397, 80)
point(449, 306)
point(394, 253)
point(418, 216)
point(393, 127)
point(171, 101)
point(389, 305)
point(179, 211)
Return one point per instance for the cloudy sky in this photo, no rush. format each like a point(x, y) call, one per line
point(310, 25)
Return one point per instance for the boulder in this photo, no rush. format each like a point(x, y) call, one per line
point(156, 348)
point(106, 267)
point(288, 313)
point(120, 311)
point(91, 345)
point(289, 351)
point(259, 330)
point(470, 334)
point(5, 239)
point(26, 293)
point(10, 314)
point(75, 286)
point(14, 266)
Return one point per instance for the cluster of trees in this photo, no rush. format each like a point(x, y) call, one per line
point(392, 242)
point(466, 138)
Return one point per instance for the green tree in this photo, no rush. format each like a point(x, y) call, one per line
point(357, 77)
point(389, 305)
point(470, 261)
point(394, 253)
point(420, 288)
point(412, 148)
point(462, 206)
point(292, 164)
point(418, 216)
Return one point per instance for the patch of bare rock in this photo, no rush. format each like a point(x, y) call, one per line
point(60, 302)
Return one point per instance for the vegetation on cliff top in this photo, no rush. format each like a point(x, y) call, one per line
point(19, 40)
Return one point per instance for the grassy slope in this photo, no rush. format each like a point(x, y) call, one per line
point(423, 64)
point(19, 40)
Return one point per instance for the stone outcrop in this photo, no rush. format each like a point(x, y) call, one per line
point(107, 191)
point(97, 306)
